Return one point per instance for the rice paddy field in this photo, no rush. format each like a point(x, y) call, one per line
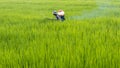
point(30, 37)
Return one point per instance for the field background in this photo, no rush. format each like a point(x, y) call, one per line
point(31, 38)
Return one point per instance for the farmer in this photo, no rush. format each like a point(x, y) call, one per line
point(59, 15)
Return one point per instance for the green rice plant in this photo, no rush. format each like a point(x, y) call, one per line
point(31, 38)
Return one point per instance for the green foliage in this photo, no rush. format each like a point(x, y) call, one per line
point(30, 38)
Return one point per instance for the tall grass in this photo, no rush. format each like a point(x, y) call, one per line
point(30, 38)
